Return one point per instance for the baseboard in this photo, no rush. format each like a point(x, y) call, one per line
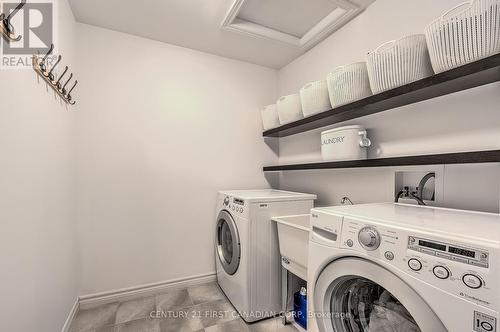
point(71, 316)
point(125, 294)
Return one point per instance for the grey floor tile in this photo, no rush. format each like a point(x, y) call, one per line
point(197, 309)
point(287, 328)
point(236, 325)
point(143, 325)
point(135, 309)
point(217, 312)
point(272, 324)
point(205, 293)
point(178, 299)
point(181, 321)
point(106, 329)
point(95, 318)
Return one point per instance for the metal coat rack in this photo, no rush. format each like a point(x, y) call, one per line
point(55, 82)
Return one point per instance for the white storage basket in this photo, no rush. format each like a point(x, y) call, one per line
point(348, 83)
point(464, 34)
point(289, 109)
point(398, 62)
point(270, 117)
point(345, 143)
point(314, 98)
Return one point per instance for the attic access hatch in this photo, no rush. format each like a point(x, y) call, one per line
point(300, 23)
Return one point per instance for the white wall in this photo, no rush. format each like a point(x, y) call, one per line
point(460, 122)
point(160, 130)
point(38, 245)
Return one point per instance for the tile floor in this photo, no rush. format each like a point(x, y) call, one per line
point(195, 309)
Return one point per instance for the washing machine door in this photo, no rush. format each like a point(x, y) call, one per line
point(356, 295)
point(228, 243)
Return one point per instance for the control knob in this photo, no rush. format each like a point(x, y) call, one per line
point(472, 281)
point(369, 238)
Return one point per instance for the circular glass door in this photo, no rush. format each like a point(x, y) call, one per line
point(368, 307)
point(228, 243)
point(355, 295)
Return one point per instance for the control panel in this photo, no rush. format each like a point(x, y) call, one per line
point(238, 201)
point(449, 262)
point(458, 268)
point(370, 238)
point(234, 205)
point(448, 251)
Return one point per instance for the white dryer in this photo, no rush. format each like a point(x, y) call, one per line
point(246, 248)
point(400, 268)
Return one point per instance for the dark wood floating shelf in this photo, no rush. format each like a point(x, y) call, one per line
point(472, 75)
point(491, 156)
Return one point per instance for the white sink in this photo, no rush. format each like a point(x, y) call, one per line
point(293, 234)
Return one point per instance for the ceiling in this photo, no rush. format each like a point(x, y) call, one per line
point(264, 32)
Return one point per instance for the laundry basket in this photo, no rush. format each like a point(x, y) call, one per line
point(348, 83)
point(398, 62)
point(270, 117)
point(464, 34)
point(289, 109)
point(314, 98)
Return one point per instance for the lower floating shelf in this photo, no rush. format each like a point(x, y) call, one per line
point(476, 157)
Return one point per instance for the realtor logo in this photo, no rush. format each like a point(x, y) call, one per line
point(34, 23)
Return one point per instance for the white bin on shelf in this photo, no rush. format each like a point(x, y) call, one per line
point(293, 235)
point(464, 34)
point(345, 143)
point(270, 117)
point(398, 62)
point(348, 83)
point(314, 98)
point(289, 109)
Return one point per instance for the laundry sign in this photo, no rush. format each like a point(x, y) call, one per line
point(334, 140)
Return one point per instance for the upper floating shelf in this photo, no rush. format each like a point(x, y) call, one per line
point(472, 75)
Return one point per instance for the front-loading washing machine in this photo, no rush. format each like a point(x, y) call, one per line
point(403, 268)
point(246, 247)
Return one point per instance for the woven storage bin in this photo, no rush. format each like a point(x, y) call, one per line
point(314, 98)
point(398, 62)
point(348, 83)
point(464, 34)
point(289, 109)
point(270, 117)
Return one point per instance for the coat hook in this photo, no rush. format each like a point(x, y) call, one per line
point(63, 90)
point(7, 27)
point(58, 83)
point(68, 95)
point(50, 75)
point(18, 8)
point(42, 63)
